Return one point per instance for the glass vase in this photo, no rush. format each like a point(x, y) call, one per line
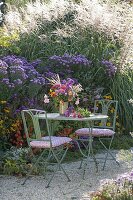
point(63, 107)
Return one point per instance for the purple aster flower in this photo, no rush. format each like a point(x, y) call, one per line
point(67, 64)
point(5, 80)
point(109, 67)
point(18, 82)
point(85, 99)
point(36, 63)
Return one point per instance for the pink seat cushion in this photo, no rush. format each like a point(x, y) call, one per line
point(56, 141)
point(96, 132)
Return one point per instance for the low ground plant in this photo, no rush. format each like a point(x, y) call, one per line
point(119, 189)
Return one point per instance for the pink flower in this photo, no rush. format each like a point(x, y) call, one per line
point(74, 114)
point(61, 91)
point(46, 99)
point(79, 115)
point(77, 101)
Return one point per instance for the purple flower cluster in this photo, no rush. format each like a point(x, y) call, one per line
point(126, 177)
point(16, 70)
point(67, 64)
point(69, 111)
point(69, 60)
point(25, 104)
point(123, 180)
point(109, 67)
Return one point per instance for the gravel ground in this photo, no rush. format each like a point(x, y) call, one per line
point(60, 189)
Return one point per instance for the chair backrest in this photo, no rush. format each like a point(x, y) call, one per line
point(107, 107)
point(30, 117)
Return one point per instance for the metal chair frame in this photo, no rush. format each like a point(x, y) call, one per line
point(56, 153)
point(105, 105)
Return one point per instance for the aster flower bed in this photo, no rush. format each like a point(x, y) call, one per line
point(19, 78)
point(69, 64)
point(16, 70)
point(19, 83)
point(82, 69)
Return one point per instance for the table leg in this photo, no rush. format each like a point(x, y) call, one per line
point(90, 152)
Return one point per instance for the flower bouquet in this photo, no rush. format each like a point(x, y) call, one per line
point(63, 92)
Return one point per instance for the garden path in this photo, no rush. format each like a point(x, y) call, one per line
point(60, 189)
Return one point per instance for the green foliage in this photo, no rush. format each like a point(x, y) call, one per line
point(122, 90)
point(18, 161)
point(8, 42)
point(83, 112)
point(14, 161)
point(95, 46)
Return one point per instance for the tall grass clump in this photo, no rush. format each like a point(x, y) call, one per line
point(122, 90)
point(99, 30)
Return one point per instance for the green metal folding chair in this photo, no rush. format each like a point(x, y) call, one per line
point(53, 150)
point(106, 128)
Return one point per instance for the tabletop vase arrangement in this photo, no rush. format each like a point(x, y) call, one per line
point(63, 106)
point(63, 93)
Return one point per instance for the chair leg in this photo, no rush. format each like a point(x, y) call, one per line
point(81, 162)
point(59, 162)
point(51, 177)
point(47, 162)
point(95, 161)
point(108, 153)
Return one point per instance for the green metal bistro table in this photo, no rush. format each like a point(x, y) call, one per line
point(90, 123)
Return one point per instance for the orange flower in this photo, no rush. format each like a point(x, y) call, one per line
point(52, 94)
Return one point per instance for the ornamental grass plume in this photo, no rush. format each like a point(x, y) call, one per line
point(107, 17)
point(113, 19)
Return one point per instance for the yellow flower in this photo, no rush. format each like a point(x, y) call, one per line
point(1, 121)
point(2, 102)
point(14, 125)
point(117, 124)
point(108, 124)
point(6, 110)
point(12, 129)
point(112, 110)
point(108, 97)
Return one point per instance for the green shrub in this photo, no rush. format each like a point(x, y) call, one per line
point(8, 42)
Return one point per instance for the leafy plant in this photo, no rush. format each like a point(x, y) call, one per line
point(8, 42)
point(15, 161)
point(84, 112)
